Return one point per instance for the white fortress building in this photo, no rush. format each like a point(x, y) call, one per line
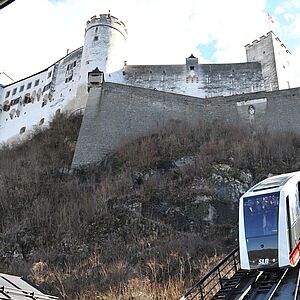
point(33, 101)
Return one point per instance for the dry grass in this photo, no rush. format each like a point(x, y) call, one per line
point(122, 230)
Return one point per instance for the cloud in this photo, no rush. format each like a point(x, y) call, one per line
point(35, 33)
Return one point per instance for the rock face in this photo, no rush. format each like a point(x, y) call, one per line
point(231, 183)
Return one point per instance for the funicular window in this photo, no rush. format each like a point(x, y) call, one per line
point(261, 215)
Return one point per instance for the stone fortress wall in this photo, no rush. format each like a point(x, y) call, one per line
point(117, 113)
point(199, 80)
point(33, 101)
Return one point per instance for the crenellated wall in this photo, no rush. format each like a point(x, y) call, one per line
point(275, 61)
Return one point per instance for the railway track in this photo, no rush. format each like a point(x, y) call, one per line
point(228, 282)
point(276, 285)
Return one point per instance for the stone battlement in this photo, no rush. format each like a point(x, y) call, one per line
point(106, 20)
point(270, 33)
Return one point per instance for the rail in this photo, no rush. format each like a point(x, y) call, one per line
point(214, 281)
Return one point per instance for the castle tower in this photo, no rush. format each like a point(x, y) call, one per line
point(275, 60)
point(104, 48)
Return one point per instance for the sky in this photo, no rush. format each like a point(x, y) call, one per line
point(36, 33)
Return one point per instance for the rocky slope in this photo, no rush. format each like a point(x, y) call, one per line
point(147, 222)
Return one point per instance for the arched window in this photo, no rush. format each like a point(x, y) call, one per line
point(6, 106)
point(38, 95)
point(12, 113)
point(33, 96)
point(45, 100)
point(22, 130)
point(27, 99)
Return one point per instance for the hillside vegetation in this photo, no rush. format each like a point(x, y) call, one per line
point(144, 224)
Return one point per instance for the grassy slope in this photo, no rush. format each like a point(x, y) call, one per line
point(131, 227)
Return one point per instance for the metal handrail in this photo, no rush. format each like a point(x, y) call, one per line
point(199, 287)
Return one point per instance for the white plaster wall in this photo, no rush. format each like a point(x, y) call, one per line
point(1, 91)
point(66, 83)
point(282, 59)
point(203, 81)
point(172, 78)
point(25, 115)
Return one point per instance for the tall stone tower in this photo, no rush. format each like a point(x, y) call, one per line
point(104, 48)
point(275, 60)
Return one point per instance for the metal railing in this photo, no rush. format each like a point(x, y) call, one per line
point(212, 282)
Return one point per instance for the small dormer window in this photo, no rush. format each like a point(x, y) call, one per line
point(192, 68)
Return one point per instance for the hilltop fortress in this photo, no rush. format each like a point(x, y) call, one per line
point(33, 101)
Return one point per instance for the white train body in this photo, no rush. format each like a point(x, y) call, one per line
point(269, 223)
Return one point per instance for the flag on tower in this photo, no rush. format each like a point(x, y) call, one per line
point(270, 18)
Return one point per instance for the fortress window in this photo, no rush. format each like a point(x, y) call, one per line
point(49, 74)
point(22, 130)
point(15, 101)
point(7, 94)
point(14, 91)
point(96, 38)
point(29, 85)
point(6, 107)
point(21, 88)
point(96, 29)
point(68, 79)
point(284, 66)
point(74, 63)
point(192, 68)
point(46, 87)
point(124, 73)
point(36, 83)
point(27, 99)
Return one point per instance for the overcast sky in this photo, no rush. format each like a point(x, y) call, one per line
point(36, 33)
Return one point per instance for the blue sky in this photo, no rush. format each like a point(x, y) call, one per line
point(160, 31)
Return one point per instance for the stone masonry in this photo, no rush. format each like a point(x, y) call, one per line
point(116, 114)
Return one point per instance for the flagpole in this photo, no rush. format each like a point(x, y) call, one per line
point(270, 20)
